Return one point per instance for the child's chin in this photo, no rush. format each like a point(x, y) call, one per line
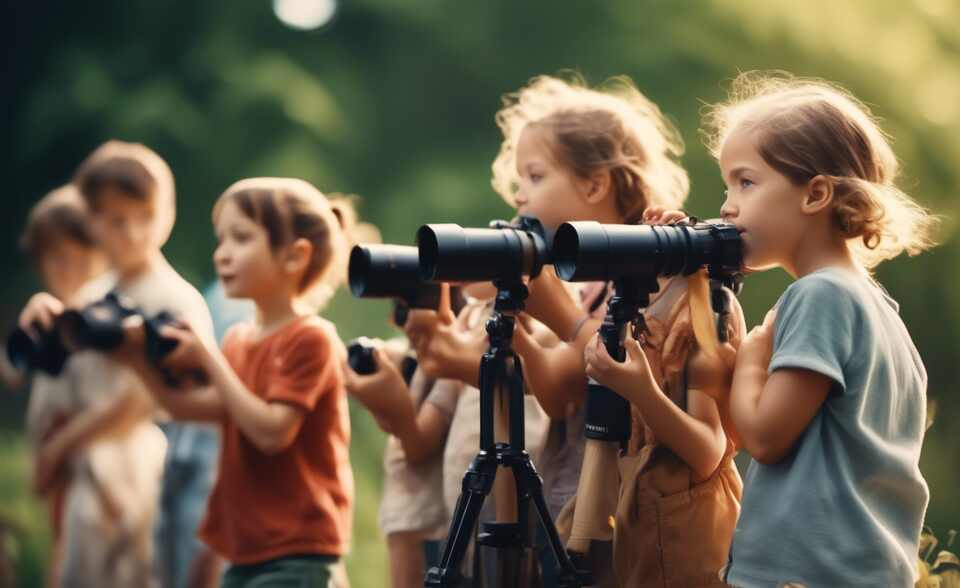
point(232, 291)
point(752, 266)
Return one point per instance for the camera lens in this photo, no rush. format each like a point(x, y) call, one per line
point(391, 271)
point(590, 251)
point(451, 253)
point(46, 353)
point(360, 356)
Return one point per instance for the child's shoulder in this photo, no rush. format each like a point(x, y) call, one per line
point(309, 331)
point(324, 333)
point(830, 287)
point(307, 341)
point(168, 278)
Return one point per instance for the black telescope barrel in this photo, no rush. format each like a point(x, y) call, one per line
point(449, 252)
point(588, 251)
point(384, 271)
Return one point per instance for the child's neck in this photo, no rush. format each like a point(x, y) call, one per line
point(274, 311)
point(821, 250)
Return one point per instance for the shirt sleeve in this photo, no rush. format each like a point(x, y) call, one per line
point(444, 395)
point(814, 328)
point(304, 368)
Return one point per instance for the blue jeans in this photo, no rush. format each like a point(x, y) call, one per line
point(188, 478)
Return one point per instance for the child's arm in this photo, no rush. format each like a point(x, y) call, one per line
point(446, 346)
point(423, 436)
point(770, 413)
point(187, 402)
point(555, 375)
point(200, 403)
point(550, 302)
point(113, 416)
point(387, 397)
point(271, 426)
point(696, 436)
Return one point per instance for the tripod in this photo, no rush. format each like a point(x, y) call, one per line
point(500, 369)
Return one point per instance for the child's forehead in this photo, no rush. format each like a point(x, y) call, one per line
point(535, 143)
point(63, 244)
point(739, 147)
point(231, 215)
point(114, 200)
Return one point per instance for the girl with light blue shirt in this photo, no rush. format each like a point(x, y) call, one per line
point(829, 394)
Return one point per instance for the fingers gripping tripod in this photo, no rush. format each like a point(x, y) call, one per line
point(500, 369)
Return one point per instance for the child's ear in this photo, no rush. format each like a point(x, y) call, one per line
point(818, 195)
point(599, 187)
point(298, 256)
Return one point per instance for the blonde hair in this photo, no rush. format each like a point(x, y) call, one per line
point(613, 128)
point(136, 170)
point(807, 128)
point(290, 209)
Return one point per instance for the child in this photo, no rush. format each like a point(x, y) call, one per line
point(573, 153)
point(113, 445)
point(281, 507)
point(829, 394)
point(417, 415)
point(57, 238)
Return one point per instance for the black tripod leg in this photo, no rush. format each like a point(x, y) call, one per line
point(476, 487)
point(533, 488)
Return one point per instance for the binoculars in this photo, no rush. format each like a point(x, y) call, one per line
point(97, 326)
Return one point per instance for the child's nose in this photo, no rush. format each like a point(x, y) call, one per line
point(728, 210)
point(520, 198)
point(220, 256)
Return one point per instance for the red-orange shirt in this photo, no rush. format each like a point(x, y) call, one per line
point(299, 501)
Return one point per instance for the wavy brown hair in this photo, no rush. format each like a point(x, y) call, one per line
point(611, 128)
point(807, 128)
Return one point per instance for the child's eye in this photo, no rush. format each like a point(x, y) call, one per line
point(536, 178)
point(745, 183)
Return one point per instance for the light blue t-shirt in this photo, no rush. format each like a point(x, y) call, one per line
point(845, 506)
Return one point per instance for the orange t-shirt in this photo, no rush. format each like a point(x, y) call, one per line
point(299, 501)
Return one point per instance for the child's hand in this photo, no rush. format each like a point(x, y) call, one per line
point(42, 309)
point(421, 323)
point(451, 352)
point(657, 215)
point(384, 392)
point(446, 347)
point(757, 347)
point(633, 374)
point(191, 354)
